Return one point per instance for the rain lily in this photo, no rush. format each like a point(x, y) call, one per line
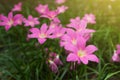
point(53, 25)
point(58, 32)
point(74, 22)
point(60, 1)
point(80, 27)
point(53, 66)
point(83, 54)
point(41, 34)
point(17, 7)
point(50, 15)
point(11, 20)
point(31, 21)
point(70, 39)
point(62, 9)
point(118, 49)
point(54, 61)
point(55, 58)
point(56, 20)
point(116, 55)
point(90, 18)
point(42, 9)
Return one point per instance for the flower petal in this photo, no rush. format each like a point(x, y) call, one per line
point(41, 41)
point(93, 58)
point(84, 60)
point(43, 28)
point(72, 57)
point(90, 49)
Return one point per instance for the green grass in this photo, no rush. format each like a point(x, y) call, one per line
point(26, 60)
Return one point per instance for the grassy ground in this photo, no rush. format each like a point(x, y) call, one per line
point(26, 60)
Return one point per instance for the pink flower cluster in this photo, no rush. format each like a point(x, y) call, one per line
point(75, 41)
point(73, 38)
point(45, 12)
point(18, 19)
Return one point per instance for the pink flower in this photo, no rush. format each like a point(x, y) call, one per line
point(116, 57)
point(80, 27)
point(53, 25)
point(60, 1)
point(74, 22)
point(42, 9)
point(53, 66)
point(54, 61)
point(50, 15)
point(41, 34)
point(31, 21)
point(62, 9)
point(118, 49)
point(0, 19)
point(56, 20)
point(17, 7)
point(90, 18)
point(18, 19)
point(11, 20)
point(83, 54)
point(57, 60)
point(58, 32)
point(70, 39)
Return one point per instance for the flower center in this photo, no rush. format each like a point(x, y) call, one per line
point(10, 22)
point(31, 22)
point(89, 18)
point(42, 35)
point(52, 25)
point(74, 42)
point(81, 53)
point(59, 34)
point(42, 10)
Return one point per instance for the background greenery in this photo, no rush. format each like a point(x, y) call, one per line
point(26, 60)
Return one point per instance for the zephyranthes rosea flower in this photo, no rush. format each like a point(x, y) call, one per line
point(41, 34)
point(74, 22)
point(42, 9)
point(82, 53)
point(54, 62)
point(50, 14)
point(116, 55)
point(11, 20)
point(59, 31)
point(89, 18)
point(31, 21)
point(17, 7)
point(62, 9)
point(60, 1)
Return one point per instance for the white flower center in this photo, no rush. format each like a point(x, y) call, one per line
point(81, 53)
point(10, 22)
point(74, 42)
point(42, 35)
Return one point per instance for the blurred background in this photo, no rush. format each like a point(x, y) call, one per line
point(106, 11)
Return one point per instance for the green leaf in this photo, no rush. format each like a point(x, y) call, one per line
point(111, 74)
